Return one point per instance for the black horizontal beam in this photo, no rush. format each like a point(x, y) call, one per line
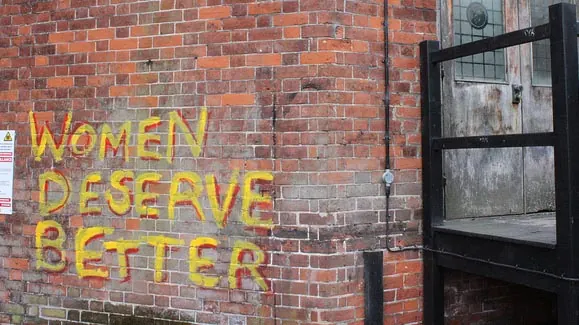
point(496, 141)
point(528, 265)
point(518, 37)
point(511, 275)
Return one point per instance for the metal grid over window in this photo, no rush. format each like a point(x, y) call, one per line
point(541, 49)
point(474, 21)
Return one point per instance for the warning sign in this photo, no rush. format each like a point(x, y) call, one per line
point(6, 171)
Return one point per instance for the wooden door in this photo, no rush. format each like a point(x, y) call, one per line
point(480, 101)
point(477, 100)
point(537, 109)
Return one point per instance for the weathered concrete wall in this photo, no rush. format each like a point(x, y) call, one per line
point(208, 162)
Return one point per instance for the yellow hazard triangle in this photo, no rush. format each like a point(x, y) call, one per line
point(8, 137)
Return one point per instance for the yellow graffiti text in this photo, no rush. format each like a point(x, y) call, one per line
point(252, 200)
point(121, 206)
point(81, 142)
point(123, 249)
point(246, 260)
point(86, 195)
point(55, 245)
point(83, 237)
point(190, 196)
point(43, 137)
point(84, 135)
point(109, 142)
point(46, 206)
point(197, 263)
point(185, 188)
point(161, 244)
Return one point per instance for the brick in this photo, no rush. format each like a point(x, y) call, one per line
point(166, 41)
point(238, 99)
point(144, 101)
point(81, 47)
point(290, 19)
point(265, 34)
point(57, 82)
point(53, 313)
point(124, 20)
point(213, 62)
point(94, 318)
point(182, 303)
point(100, 34)
point(118, 308)
point(141, 299)
point(124, 44)
point(239, 23)
point(126, 67)
point(317, 58)
point(263, 60)
point(214, 12)
point(16, 263)
point(11, 308)
point(61, 37)
point(10, 95)
point(144, 30)
point(264, 8)
point(144, 78)
point(167, 16)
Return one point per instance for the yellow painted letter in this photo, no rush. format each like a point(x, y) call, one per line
point(108, 140)
point(190, 196)
point(161, 244)
point(83, 237)
point(145, 138)
point(221, 212)
point(142, 197)
point(195, 141)
point(238, 267)
point(86, 195)
point(39, 138)
point(198, 263)
point(86, 145)
point(123, 205)
point(251, 199)
point(123, 248)
point(45, 206)
point(55, 245)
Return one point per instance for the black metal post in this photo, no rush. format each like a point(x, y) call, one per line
point(562, 19)
point(432, 182)
point(373, 288)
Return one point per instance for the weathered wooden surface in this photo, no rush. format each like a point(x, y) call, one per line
point(531, 228)
point(489, 182)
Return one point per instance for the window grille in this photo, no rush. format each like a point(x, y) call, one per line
point(474, 21)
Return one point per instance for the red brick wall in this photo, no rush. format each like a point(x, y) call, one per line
point(409, 23)
point(275, 193)
point(472, 299)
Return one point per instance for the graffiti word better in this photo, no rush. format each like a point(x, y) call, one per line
point(185, 189)
point(46, 240)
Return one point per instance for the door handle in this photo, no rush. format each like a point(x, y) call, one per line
point(517, 94)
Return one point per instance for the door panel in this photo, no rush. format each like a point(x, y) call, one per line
point(537, 109)
point(481, 182)
point(485, 182)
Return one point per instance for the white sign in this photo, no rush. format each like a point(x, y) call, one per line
point(7, 140)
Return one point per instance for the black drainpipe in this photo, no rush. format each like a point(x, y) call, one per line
point(373, 261)
point(388, 176)
point(373, 288)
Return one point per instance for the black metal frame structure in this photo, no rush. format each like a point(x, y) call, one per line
point(553, 268)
